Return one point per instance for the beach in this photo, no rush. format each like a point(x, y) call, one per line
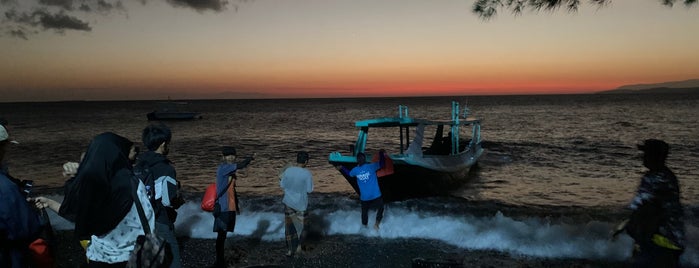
point(556, 177)
point(357, 250)
point(347, 252)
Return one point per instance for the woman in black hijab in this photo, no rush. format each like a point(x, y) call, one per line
point(99, 200)
point(96, 199)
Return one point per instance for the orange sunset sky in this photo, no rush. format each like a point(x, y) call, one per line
point(325, 48)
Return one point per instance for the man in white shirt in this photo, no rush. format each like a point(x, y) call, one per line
point(297, 183)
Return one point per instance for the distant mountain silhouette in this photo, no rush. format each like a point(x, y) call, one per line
point(686, 86)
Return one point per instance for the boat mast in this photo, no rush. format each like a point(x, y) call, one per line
point(403, 113)
point(454, 127)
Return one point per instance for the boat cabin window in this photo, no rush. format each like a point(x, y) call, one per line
point(386, 138)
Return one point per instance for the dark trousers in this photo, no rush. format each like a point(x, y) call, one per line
point(220, 245)
point(165, 231)
point(372, 204)
point(651, 255)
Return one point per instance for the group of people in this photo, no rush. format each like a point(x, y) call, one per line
point(112, 182)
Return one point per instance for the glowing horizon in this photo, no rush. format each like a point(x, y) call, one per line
point(311, 48)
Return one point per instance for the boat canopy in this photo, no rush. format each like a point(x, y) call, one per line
point(402, 121)
point(405, 123)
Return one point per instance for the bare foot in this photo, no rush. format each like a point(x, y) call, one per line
point(376, 226)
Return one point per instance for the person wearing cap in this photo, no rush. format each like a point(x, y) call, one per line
point(656, 223)
point(297, 183)
point(227, 206)
point(19, 223)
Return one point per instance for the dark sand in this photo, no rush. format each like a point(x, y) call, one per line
point(337, 251)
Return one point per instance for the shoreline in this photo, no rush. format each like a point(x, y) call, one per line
point(365, 251)
point(338, 251)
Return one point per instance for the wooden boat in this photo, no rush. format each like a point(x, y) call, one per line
point(172, 111)
point(422, 166)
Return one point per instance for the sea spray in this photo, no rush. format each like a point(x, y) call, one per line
point(523, 236)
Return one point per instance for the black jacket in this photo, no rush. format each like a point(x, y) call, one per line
point(161, 169)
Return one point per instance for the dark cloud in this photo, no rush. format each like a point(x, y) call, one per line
point(18, 34)
point(42, 18)
point(200, 5)
point(61, 21)
point(63, 4)
point(33, 16)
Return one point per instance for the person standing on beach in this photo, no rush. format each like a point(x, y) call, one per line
point(100, 201)
point(227, 206)
point(19, 223)
point(368, 182)
point(297, 183)
point(70, 169)
point(161, 184)
point(656, 223)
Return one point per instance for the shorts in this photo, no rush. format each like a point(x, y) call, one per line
point(225, 222)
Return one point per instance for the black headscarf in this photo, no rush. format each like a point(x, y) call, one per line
point(99, 196)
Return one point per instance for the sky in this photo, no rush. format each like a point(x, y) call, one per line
point(54, 50)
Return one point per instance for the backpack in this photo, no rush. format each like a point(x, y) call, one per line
point(150, 250)
point(143, 173)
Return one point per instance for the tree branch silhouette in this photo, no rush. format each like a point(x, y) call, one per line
point(486, 9)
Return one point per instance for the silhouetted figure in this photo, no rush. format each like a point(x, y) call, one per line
point(656, 223)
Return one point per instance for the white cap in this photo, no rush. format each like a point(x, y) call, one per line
point(4, 136)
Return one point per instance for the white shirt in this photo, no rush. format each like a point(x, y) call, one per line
point(297, 182)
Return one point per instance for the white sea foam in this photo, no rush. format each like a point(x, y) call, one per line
point(529, 237)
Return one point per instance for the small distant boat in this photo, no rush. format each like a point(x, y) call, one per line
point(414, 170)
point(172, 111)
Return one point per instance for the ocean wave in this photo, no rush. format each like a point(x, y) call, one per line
point(508, 230)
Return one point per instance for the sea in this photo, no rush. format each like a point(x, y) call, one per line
point(556, 177)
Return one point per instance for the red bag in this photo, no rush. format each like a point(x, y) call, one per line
point(41, 254)
point(207, 203)
point(387, 167)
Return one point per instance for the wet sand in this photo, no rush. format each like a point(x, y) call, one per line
point(338, 251)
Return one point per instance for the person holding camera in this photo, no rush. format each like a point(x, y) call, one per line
point(227, 206)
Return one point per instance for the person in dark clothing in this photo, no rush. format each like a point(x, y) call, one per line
point(99, 199)
point(19, 222)
point(368, 182)
point(161, 184)
point(227, 206)
point(656, 221)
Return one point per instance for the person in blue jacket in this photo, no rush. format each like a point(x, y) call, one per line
point(19, 222)
point(227, 203)
point(368, 183)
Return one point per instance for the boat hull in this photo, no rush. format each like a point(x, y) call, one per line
point(152, 116)
point(411, 181)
